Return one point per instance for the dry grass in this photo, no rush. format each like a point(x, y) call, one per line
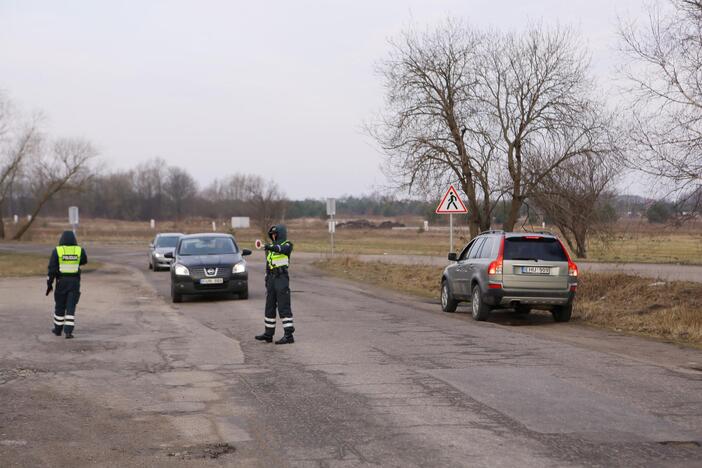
point(668, 310)
point(20, 264)
point(417, 280)
point(13, 264)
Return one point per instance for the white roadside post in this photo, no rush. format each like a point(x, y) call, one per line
point(73, 218)
point(16, 218)
point(331, 212)
point(451, 203)
point(153, 224)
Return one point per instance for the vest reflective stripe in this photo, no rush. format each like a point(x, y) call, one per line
point(69, 259)
point(277, 260)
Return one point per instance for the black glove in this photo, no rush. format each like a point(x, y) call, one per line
point(49, 287)
point(268, 247)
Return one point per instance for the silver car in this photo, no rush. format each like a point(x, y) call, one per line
point(519, 270)
point(162, 244)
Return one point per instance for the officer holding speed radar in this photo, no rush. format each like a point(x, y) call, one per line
point(278, 286)
point(64, 267)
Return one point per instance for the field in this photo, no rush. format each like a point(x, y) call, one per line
point(21, 265)
point(671, 311)
point(629, 241)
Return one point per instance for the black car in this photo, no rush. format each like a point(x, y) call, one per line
point(208, 264)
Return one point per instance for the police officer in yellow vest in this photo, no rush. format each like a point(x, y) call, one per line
point(64, 267)
point(278, 286)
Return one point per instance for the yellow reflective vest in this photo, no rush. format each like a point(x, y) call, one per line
point(277, 259)
point(69, 259)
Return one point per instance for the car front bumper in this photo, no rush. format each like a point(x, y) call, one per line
point(547, 298)
point(161, 262)
point(235, 284)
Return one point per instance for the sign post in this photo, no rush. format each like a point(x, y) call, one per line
point(73, 217)
point(451, 203)
point(331, 212)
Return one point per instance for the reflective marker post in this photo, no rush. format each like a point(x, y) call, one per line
point(331, 212)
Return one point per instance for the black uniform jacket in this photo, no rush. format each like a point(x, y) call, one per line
point(67, 238)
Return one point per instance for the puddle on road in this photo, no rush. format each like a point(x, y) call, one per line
point(211, 451)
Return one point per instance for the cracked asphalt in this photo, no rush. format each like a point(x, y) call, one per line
point(373, 379)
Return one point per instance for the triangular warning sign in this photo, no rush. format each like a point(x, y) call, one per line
point(451, 203)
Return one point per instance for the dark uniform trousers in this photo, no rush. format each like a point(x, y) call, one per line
point(278, 296)
point(66, 296)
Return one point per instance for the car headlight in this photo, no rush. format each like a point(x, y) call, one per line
point(180, 270)
point(239, 267)
point(158, 255)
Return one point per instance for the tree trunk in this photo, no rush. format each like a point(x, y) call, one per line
point(2, 227)
point(22, 230)
point(513, 216)
point(581, 244)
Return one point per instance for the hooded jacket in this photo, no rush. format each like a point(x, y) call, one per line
point(279, 245)
point(67, 238)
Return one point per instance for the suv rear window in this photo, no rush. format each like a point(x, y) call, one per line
point(541, 248)
point(167, 241)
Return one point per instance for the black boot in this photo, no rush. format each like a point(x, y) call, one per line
point(286, 339)
point(69, 336)
point(267, 337)
point(56, 332)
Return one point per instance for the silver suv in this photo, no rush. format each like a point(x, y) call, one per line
point(520, 270)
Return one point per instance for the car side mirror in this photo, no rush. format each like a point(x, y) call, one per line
point(245, 252)
point(168, 255)
point(453, 256)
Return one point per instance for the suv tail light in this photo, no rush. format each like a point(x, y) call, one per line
point(495, 267)
point(572, 267)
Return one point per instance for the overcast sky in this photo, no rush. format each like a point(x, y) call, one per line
point(280, 88)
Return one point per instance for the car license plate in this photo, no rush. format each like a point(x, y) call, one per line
point(212, 281)
point(529, 270)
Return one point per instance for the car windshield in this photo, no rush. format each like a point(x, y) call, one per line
point(207, 246)
point(534, 248)
point(167, 241)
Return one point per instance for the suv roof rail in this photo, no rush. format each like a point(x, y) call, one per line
point(547, 233)
point(492, 231)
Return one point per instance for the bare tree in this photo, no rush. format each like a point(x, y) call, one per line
point(430, 80)
point(267, 202)
point(574, 198)
point(180, 188)
point(65, 167)
point(665, 75)
point(149, 180)
point(495, 112)
point(536, 90)
point(19, 142)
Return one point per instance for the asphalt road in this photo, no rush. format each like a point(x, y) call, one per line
point(373, 379)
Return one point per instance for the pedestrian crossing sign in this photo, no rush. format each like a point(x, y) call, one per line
point(451, 203)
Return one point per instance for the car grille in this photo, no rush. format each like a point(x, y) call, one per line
point(200, 272)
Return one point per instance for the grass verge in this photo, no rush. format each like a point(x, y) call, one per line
point(14, 265)
point(668, 310)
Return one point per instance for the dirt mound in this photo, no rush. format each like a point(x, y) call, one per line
point(365, 224)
